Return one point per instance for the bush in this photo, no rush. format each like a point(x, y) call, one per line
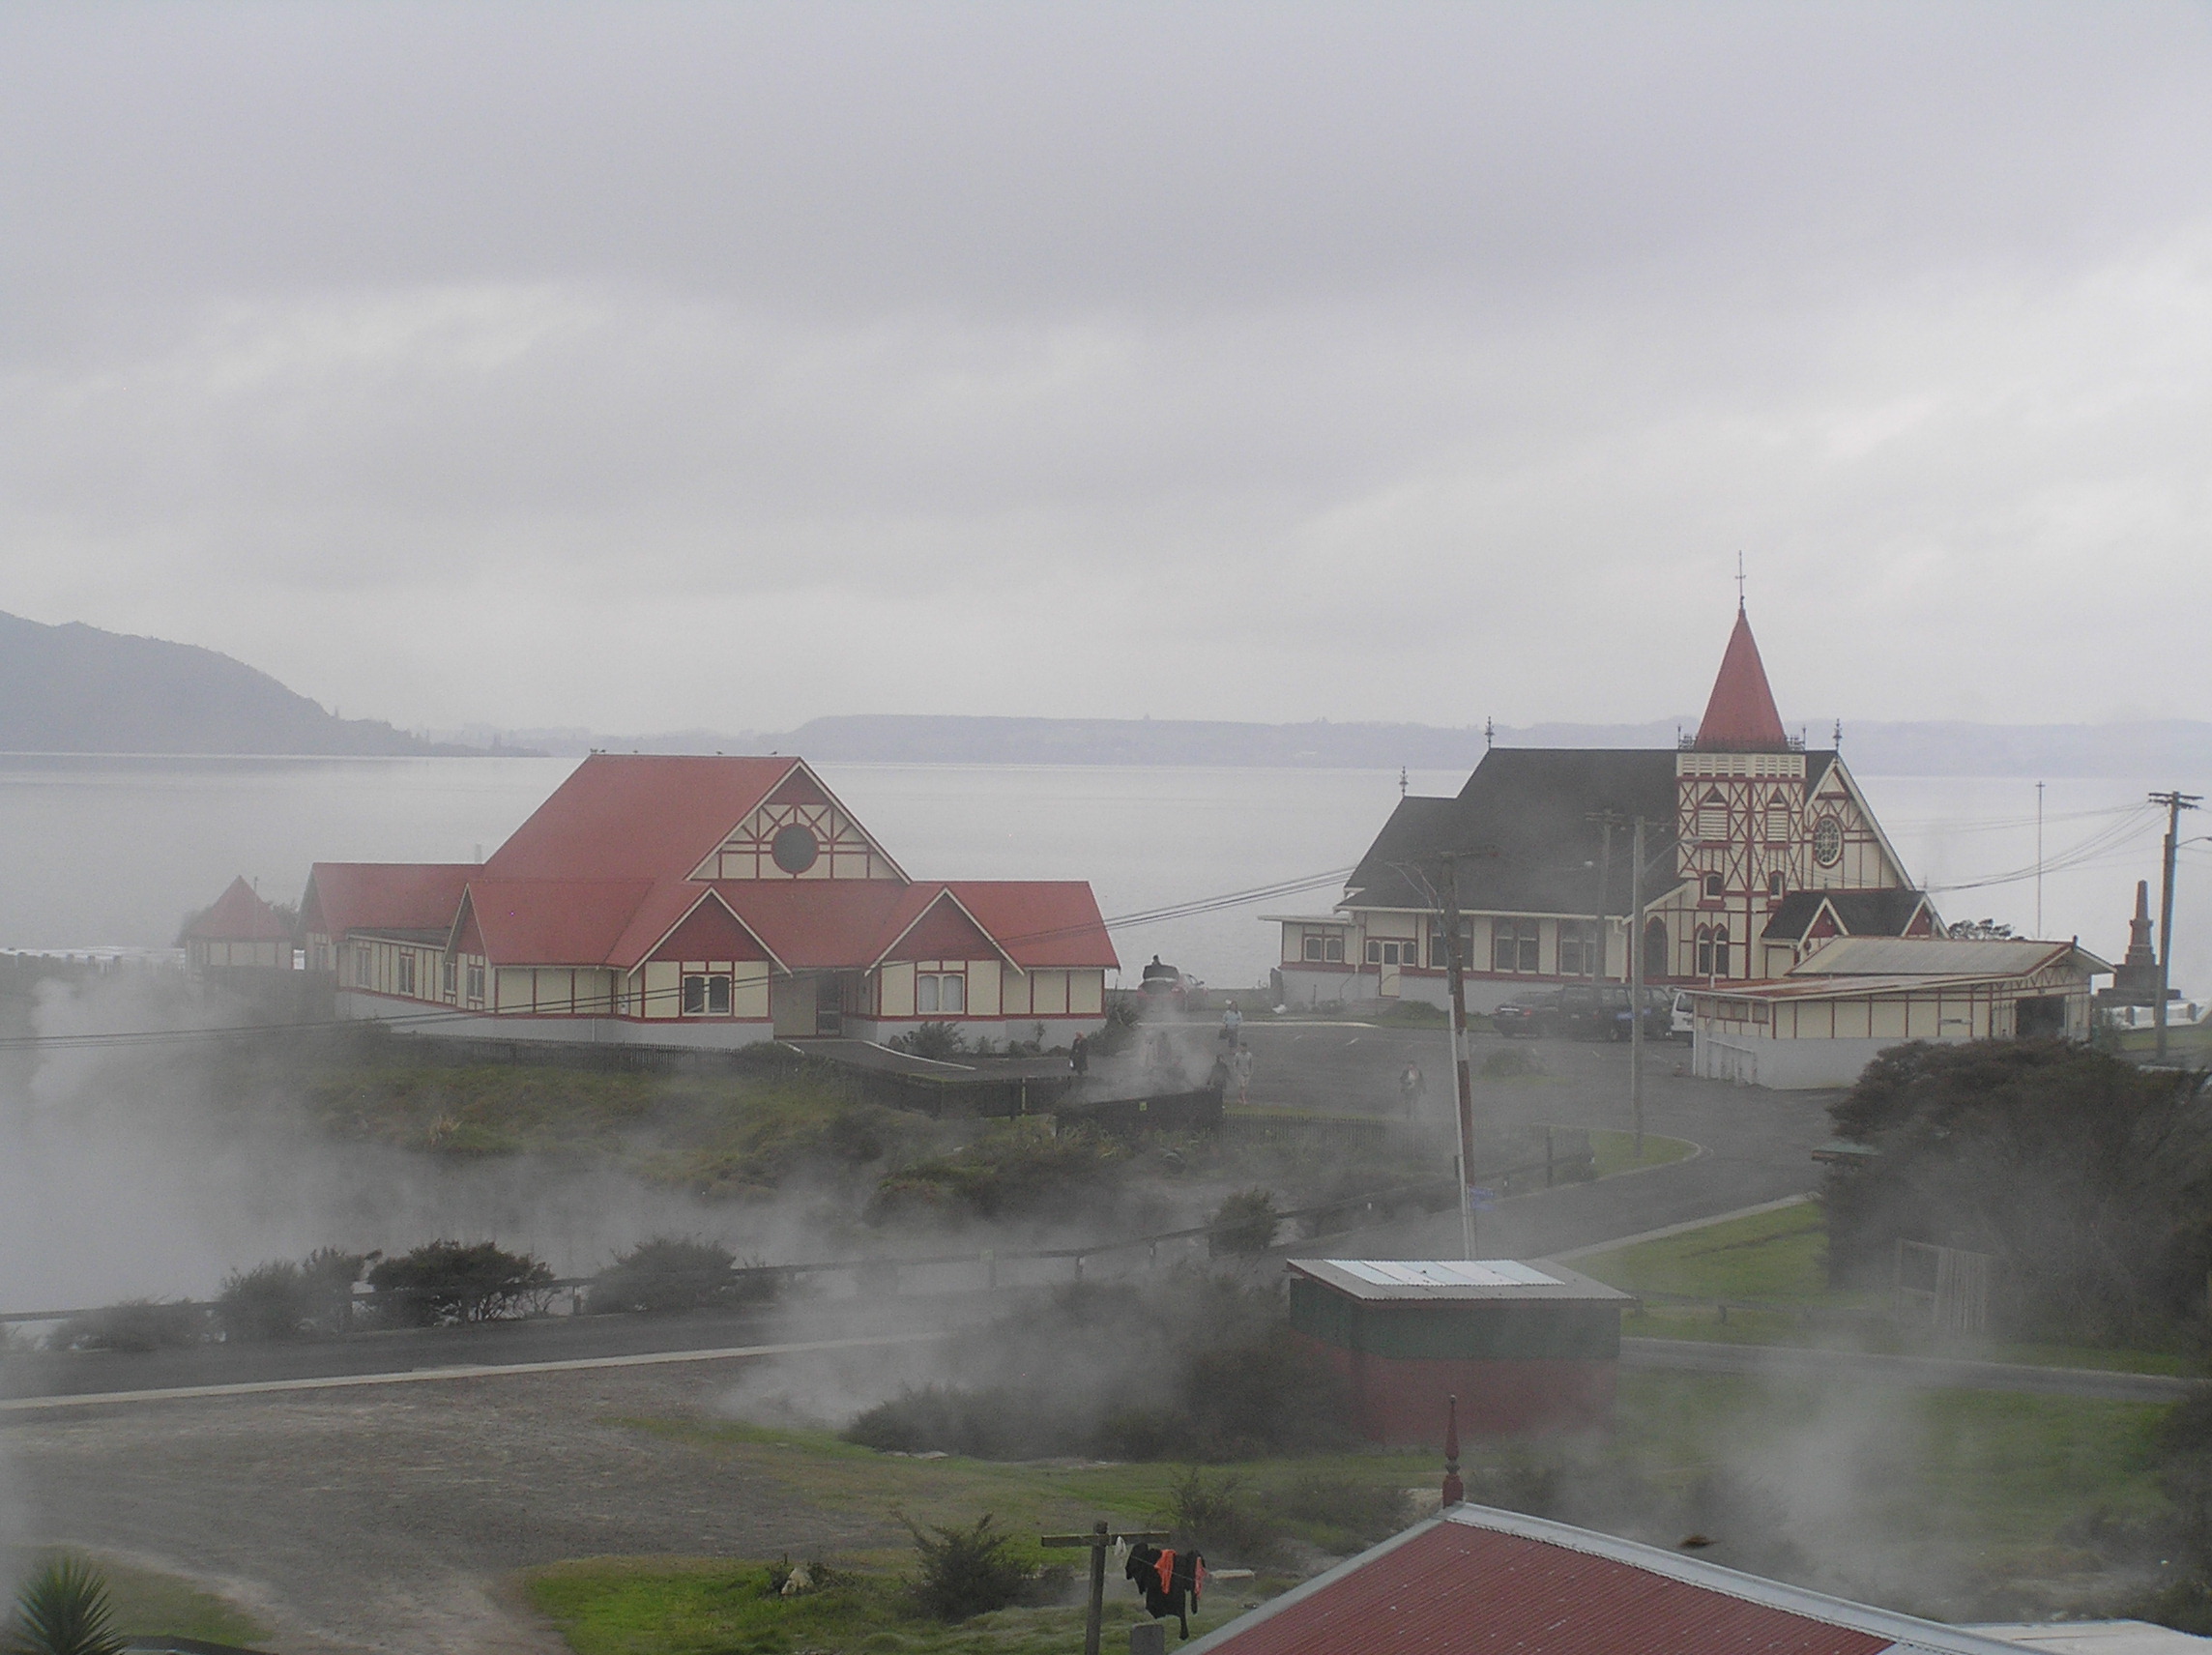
point(282, 1299)
point(136, 1326)
point(1008, 1174)
point(1509, 1062)
point(670, 1273)
point(442, 1282)
point(966, 1572)
point(937, 1040)
point(1212, 1515)
point(62, 1609)
point(1243, 1225)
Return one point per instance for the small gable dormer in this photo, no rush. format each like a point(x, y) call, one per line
point(799, 831)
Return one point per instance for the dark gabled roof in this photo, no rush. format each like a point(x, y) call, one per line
point(1522, 823)
point(1861, 913)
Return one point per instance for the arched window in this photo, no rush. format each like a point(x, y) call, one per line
point(1712, 952)
point(1714, 886)
point(1712, 815)
point(1657, 963)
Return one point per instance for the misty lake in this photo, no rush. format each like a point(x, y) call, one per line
point(115, 852)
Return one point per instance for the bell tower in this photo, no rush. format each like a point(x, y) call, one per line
point(1739, 787)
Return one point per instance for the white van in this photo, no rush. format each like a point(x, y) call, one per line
point(1679, 1026)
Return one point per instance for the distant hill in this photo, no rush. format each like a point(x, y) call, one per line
point(77, 690)
point(2176, 750)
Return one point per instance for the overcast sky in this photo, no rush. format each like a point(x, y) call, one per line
point(637, 366)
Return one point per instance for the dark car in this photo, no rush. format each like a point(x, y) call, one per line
point(1533, 1014)
point(1582, 1011)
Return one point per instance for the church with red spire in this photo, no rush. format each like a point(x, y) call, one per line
point(1757, 851)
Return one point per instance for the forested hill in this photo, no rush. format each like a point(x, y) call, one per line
point(77, 690)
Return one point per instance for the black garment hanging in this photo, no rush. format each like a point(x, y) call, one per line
point(1171, 1582)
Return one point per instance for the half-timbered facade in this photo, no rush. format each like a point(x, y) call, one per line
point(703, 901)
point(1756, 850)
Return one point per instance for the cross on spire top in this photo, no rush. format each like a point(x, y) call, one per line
point(1739, 582)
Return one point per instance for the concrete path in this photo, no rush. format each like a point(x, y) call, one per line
point(1917, 1373)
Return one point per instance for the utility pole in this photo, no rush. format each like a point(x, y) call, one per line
point(1608, 820)
point(2175, 803)
point(2039, 859)
point(1463, 1081)
point(1636, 988)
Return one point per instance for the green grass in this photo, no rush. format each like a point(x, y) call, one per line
point(147, 1602)
point(1615, 1152)
point(1976, 1489)
point(676, 1606)
point(1777, 1257)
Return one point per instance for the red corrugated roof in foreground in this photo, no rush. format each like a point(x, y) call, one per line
point(1740, 717)
point(383, 896)
point(1483, 1582)
point(637, 816)
point(239, 916)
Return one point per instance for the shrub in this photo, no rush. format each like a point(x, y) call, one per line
point(443, 1281)
point(1008, 1174)
point(1509, 1062)
point(136, 1326)
point(670, 1273)
point(1243, 1225)
point(1212, 1515)
point(965, 1571)
point(282, 1299)
point(937, 1040)
point(62, 1609)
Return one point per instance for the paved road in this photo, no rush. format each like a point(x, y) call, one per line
point(1755, 1146)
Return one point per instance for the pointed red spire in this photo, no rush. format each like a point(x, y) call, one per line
point(1740, 717)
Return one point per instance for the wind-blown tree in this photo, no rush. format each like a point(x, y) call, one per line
point(2091, 1178)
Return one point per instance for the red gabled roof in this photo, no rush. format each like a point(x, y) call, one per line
point(637, 816)
point(553, 922)
point(1740, 716)
point(239, 916)
point(825, 924)
point(383, 896)
point(1041, 922)
point(1484, 1583)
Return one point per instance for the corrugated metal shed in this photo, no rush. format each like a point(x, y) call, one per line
point(1479, 1581)
point(1453, 1281)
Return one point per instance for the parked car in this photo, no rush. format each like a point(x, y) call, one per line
point(1534, 1013)
point(1679, 1024)
point(1583, 1011)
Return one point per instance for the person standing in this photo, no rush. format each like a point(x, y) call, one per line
point(1232, 1026)
point(1411, 1086)
point(1240, 1066)
point(1079, 1055)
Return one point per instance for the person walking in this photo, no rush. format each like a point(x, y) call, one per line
point(1241, 1067)
point(1411, 1086)
point(1232, 1026)
point(1079, 1055)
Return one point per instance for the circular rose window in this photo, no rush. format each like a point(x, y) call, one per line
point(1827, 841)
point(795, 849)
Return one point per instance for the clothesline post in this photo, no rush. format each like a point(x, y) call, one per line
point(1098, 1540)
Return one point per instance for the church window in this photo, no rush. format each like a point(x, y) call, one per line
point(451, 975)
point(1712, 815)
point(406, 971)
point(942, 994)
point(1712, 952)
point(1774, 887)
point(1777, 823)
point(1715, 885)
point(1325, 947)
point(1514, 945)
point(1578, 948)
point(1827, 841)
point(1439, 957)
point(1389, 953)
point(705, 993)
point(475, 983)
point(1655, 959)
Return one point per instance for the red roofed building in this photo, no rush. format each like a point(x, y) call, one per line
point(704, 901)
point(240, 930)
point(1478, 1581)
